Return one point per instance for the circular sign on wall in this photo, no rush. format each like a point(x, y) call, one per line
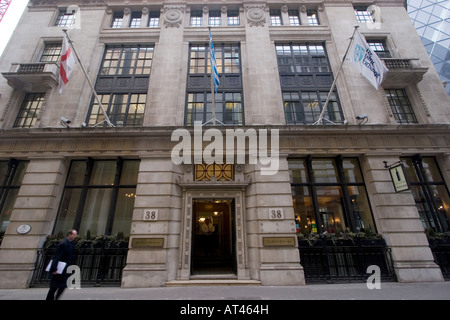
point(23, 228)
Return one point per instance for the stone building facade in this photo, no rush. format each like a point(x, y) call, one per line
point(149, 63)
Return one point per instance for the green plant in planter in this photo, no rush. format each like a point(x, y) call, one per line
point(341, 237)
point(437, 237)
point(90, 241)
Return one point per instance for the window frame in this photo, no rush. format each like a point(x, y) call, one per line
point(117, 20)
point(196, 18)
point(275, 17)
point(302, 117)
point(342, 183)
point(64, 19)
point(51, 50)
point(294, 17)
point(154, 18)
point(11, 181)
point(233, 18)
point(363, 15)
point(85, 186)
point(403, 113)
point(425, 197)
point(121, 52)
point(29, 109)
point(376, 45)
point(304, 68)
point(120, 114)
point(202, 100)
point(214, 18)
point(198, 89)
point(135, 19)
point(313, 21)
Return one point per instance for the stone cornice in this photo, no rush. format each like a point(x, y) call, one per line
point(160, 131)
point(300, 33)
point(294, 140)
point(129, 35)
point(217, 2)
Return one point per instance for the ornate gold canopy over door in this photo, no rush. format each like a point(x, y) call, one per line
point(221, 172)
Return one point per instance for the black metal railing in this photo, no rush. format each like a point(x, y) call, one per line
point(331, 263)
point(441, 254)
point(98, 266)
point(31, 68)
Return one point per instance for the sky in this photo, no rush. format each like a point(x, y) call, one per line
point(10, 20)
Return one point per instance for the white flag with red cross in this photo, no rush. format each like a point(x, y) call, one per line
point(66, 65)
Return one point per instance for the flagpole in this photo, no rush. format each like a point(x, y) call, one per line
point(213, 103)
point(321, 117)
point(89, 80)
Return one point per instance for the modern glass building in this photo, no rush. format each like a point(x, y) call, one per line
point(431, 19)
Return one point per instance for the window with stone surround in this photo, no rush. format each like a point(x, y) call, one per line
point(379, 47)
point(117, 20)
point(304, 107)
point(329, 195)
point(65, 19)
point(400, 105)
point(215, 18)
point(229, 98)
point(127, 59)
point(29, 110)
point(51, 53)
point(98, 197)
point(233, 17)
point(135, 21)
point(363, 15)
point(122, 85)
point(228, 107)
point(123, 109)
point(153, 20)
point(11, 176)
point(430, 192)
point(313, 17)
point(275, 17)
point(306, 78)
point(294, 17)
point(196, 18)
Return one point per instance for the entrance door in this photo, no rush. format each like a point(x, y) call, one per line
point(213, 237)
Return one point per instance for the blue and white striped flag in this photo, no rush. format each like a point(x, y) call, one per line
point(215, 74)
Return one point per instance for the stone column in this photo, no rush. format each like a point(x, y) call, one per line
point(126, 18)
point(271, 236)
point(398, 221)
point(36, 205)
point(144, 17)
point(155, 230)
point(166, 107)
point(303, 16)
point(263, 101)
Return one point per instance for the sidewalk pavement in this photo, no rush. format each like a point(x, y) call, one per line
point(349, 291)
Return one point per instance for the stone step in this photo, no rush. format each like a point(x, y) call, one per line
point(212, 282)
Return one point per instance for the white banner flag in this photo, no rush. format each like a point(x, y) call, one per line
point(366, 61)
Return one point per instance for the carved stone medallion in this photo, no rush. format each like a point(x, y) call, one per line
point(173, 17)
point(256, 16)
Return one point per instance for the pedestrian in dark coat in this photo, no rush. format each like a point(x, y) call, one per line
point(64, 253)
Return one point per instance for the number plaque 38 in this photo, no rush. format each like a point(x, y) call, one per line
point(276, 213)
point(150, 214)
